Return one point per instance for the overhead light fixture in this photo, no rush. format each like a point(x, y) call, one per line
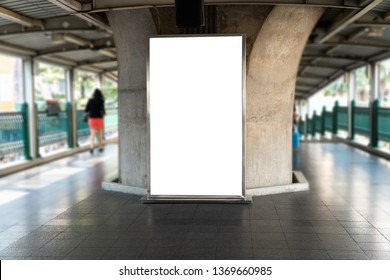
point(61, 38)
point(107, 52)
point(375, 31)
point(57, 39)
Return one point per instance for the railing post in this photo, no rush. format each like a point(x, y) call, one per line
point(38, 155)
point(374, 124)
point(301, 126)
point(26, 136)
point(335, 118)
point(314, 123)
point(352, 122)
point(306, 126)
point(69, 124)
point(323, 116)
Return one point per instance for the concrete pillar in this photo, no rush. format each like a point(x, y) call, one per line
point(374, 94)
point(271, 79)
point(351, 81)
point(131, 31)
point(69, 80)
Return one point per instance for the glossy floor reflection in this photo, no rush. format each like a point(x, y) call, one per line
point(58, 211)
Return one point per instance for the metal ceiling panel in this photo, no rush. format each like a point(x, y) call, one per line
point(38, 9)
point(81, 55)
point(35, 41)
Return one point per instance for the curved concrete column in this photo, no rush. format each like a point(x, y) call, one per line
point(131, 30)
point(273, 65)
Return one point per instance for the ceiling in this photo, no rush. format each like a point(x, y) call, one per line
point(76, 33)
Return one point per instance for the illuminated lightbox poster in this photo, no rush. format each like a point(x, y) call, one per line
point(196, 97)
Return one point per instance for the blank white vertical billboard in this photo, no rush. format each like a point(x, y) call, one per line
point(196, 116)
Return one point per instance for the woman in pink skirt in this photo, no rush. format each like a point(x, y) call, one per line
point(96, 112)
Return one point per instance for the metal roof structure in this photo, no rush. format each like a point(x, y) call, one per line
point(350, 34)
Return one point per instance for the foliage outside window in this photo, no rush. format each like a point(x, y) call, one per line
point(362, 93)
point(336, 91)
point(110, 91)
point(384, 83)
point(49, 85)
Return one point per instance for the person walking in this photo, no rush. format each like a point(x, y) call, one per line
point(96, 111)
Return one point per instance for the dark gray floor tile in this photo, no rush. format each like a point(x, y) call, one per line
point(268, 236)
point(205, 242)
point(309, 254)
point(243, 243)
point(230, 228)
point(378, 255)
point(234, 235)
point(28, 243)
point(335, 237)
point(158, 252)
point(347, 255)
point(305, 244)
point(226, 252)
point(17, 252)
point(52, 252)
point(201, 235)
point(330, 229)
point(270, 244)
point(234, 222)
point(301, 236)
point(356, 225)
point(369, 246)
point(96, 243)
point(79, 253)
point(341, 245)
point(376, 238)
point(203, 228)
point(265, 229)
point(298, 229)
point(352, 230)
point(271, 254)
point(191, 252)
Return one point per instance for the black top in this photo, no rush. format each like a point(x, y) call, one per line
point(95, 108)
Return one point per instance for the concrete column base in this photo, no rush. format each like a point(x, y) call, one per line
point(117, 187)
point(299, 183)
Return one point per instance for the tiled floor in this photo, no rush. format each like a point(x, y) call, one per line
point(58, 211)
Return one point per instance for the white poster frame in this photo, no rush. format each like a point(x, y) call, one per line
point(223, 192)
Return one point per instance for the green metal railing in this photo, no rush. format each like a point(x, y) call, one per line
point(328, 120)
point(342, 118)
point(82, 127)
point(374, 122)
point(51, 129)
point(14, 132)
point(384, 124)
point(11, 133)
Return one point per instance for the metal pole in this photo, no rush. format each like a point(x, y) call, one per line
point(28, 92)
point(374, 92)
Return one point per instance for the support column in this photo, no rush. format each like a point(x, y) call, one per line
point(29, 97)
point(69, 79)
point(374, 93)
point(351, 81)
point(131, 31)
point(271, 79)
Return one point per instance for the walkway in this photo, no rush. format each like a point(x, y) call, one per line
point(62, 214)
